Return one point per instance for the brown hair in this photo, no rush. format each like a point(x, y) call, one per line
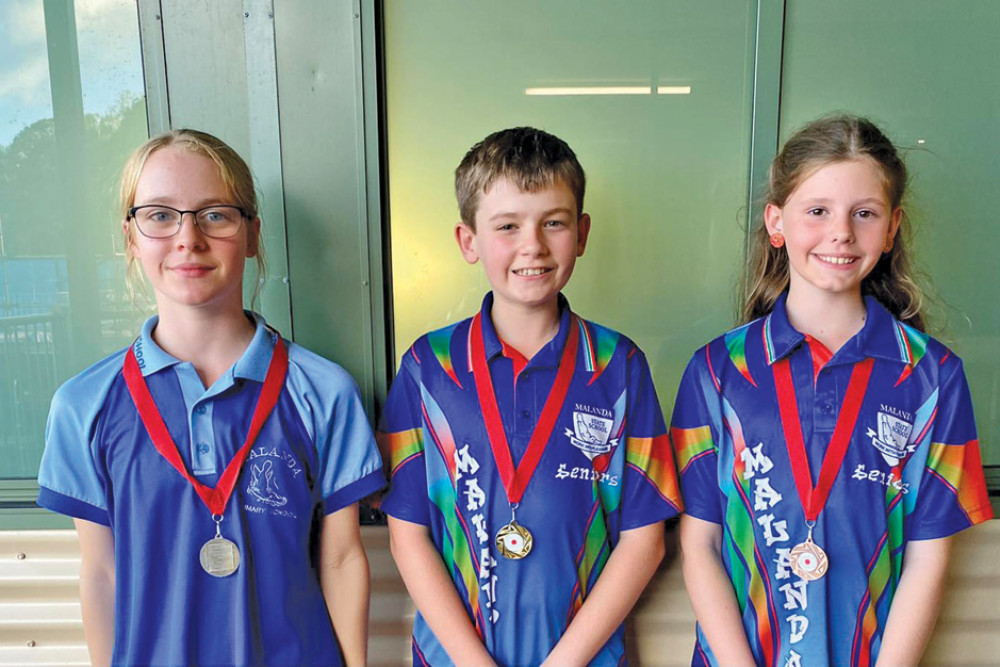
point(232, 168)
point(822, 142)
point(531, 159)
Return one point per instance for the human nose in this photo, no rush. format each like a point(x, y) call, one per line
point(532, 240)
point(842, 228)
point(189, 235)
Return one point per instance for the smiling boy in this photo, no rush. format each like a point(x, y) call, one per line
point(531, 471)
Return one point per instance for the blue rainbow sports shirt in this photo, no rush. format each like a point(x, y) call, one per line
point(912, 472)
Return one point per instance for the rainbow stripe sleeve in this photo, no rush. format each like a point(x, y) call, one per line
point(402, 446)
point(653, 457)
point(960, 469)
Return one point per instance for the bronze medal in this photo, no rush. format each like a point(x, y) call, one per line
point(808, 560)
point(219, 557)
point(514, 541)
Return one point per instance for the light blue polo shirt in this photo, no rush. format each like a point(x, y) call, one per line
point(313, 456)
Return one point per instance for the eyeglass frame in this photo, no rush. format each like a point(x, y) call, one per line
point(244, 216)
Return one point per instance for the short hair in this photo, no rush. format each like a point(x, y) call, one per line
point(233, 170)
point(529, 158)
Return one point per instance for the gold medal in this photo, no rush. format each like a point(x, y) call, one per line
point(808, 560)
point(514, 541)
point(220, 557)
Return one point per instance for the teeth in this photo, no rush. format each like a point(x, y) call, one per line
point(838, 260)
point(530, 272)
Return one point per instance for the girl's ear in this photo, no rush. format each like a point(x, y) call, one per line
point(127, 236)
point(772, 219)
point(253, 237)
point(894, 220)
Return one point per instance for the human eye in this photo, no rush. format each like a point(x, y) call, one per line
point(158, 215)
point(555, 222)
point(816, 211)
point(218, 215)
point(866, 214)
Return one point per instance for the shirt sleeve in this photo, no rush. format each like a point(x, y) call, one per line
point(71, 478)
point(651, 492)
point(350, 467)
point(952, 491)
point(401, 436)
point(694, 427)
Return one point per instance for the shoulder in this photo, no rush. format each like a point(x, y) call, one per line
point(440, 350)
point(81, 397)
point(926, 356)
point(306, 369)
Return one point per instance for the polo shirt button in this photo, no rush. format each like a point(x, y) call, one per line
point(203, 448)
point(827, 407)
point(200, 409)
point(526, 414)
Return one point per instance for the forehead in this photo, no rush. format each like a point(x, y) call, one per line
point(177, 174)
point(854, 178)
point(506, 196)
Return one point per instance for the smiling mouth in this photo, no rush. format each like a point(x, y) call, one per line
point(528, 273)
point(829, 259)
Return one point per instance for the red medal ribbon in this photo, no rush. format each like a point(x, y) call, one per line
point(814, 497)
point(516, 481)
point(217, 498)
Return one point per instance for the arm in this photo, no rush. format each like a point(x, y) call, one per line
point(711, 592)
point(916, 604)
point(97, 589)
point(434, 593)
point(629, 568)
point(344, 577)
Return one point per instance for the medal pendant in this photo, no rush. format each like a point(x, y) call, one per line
point(220, 557)
point(514, 541)
point(808, 560)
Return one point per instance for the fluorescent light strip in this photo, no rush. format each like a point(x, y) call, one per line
point(673, 90)
point(591, 90)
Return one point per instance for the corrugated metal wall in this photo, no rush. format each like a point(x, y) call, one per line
point(40, 613)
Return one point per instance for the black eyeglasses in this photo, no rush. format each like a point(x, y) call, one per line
point(156, 221)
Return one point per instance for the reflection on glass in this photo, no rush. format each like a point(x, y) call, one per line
point(947, 128)
point(71, 110)
point(667, 169)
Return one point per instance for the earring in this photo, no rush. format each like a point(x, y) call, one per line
point(777, 240)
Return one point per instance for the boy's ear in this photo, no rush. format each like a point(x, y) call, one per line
point(772, 219)
point(582, 233)
point(466, 238)
point(253, 237)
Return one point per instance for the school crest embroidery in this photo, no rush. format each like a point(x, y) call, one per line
point(263, 485)
point(892, 435)
point(591, 434)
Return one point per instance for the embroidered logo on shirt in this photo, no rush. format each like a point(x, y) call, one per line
point(270, 468)
point(591, 432)
point(891, 439)
point(263, 486)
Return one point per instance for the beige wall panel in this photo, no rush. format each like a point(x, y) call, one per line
point(40, 612)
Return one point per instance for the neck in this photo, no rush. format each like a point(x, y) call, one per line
point(832, 319)
point(211, 341)
point(527, 330)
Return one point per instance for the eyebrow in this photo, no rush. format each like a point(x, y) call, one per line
point(204, 203)
point(514, 214)
point(866, 200)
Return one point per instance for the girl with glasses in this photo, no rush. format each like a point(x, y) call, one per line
point(213, 469)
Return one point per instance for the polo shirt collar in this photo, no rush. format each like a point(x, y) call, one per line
point(252, 364)
point(881, 337)
point(551, 352)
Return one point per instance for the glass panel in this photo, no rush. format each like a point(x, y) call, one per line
point(667, 172)
point(924, 77)
point(71, 110)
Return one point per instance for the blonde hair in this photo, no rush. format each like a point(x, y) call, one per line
point(826, 141)
point(531, 159)
point(235, 175)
